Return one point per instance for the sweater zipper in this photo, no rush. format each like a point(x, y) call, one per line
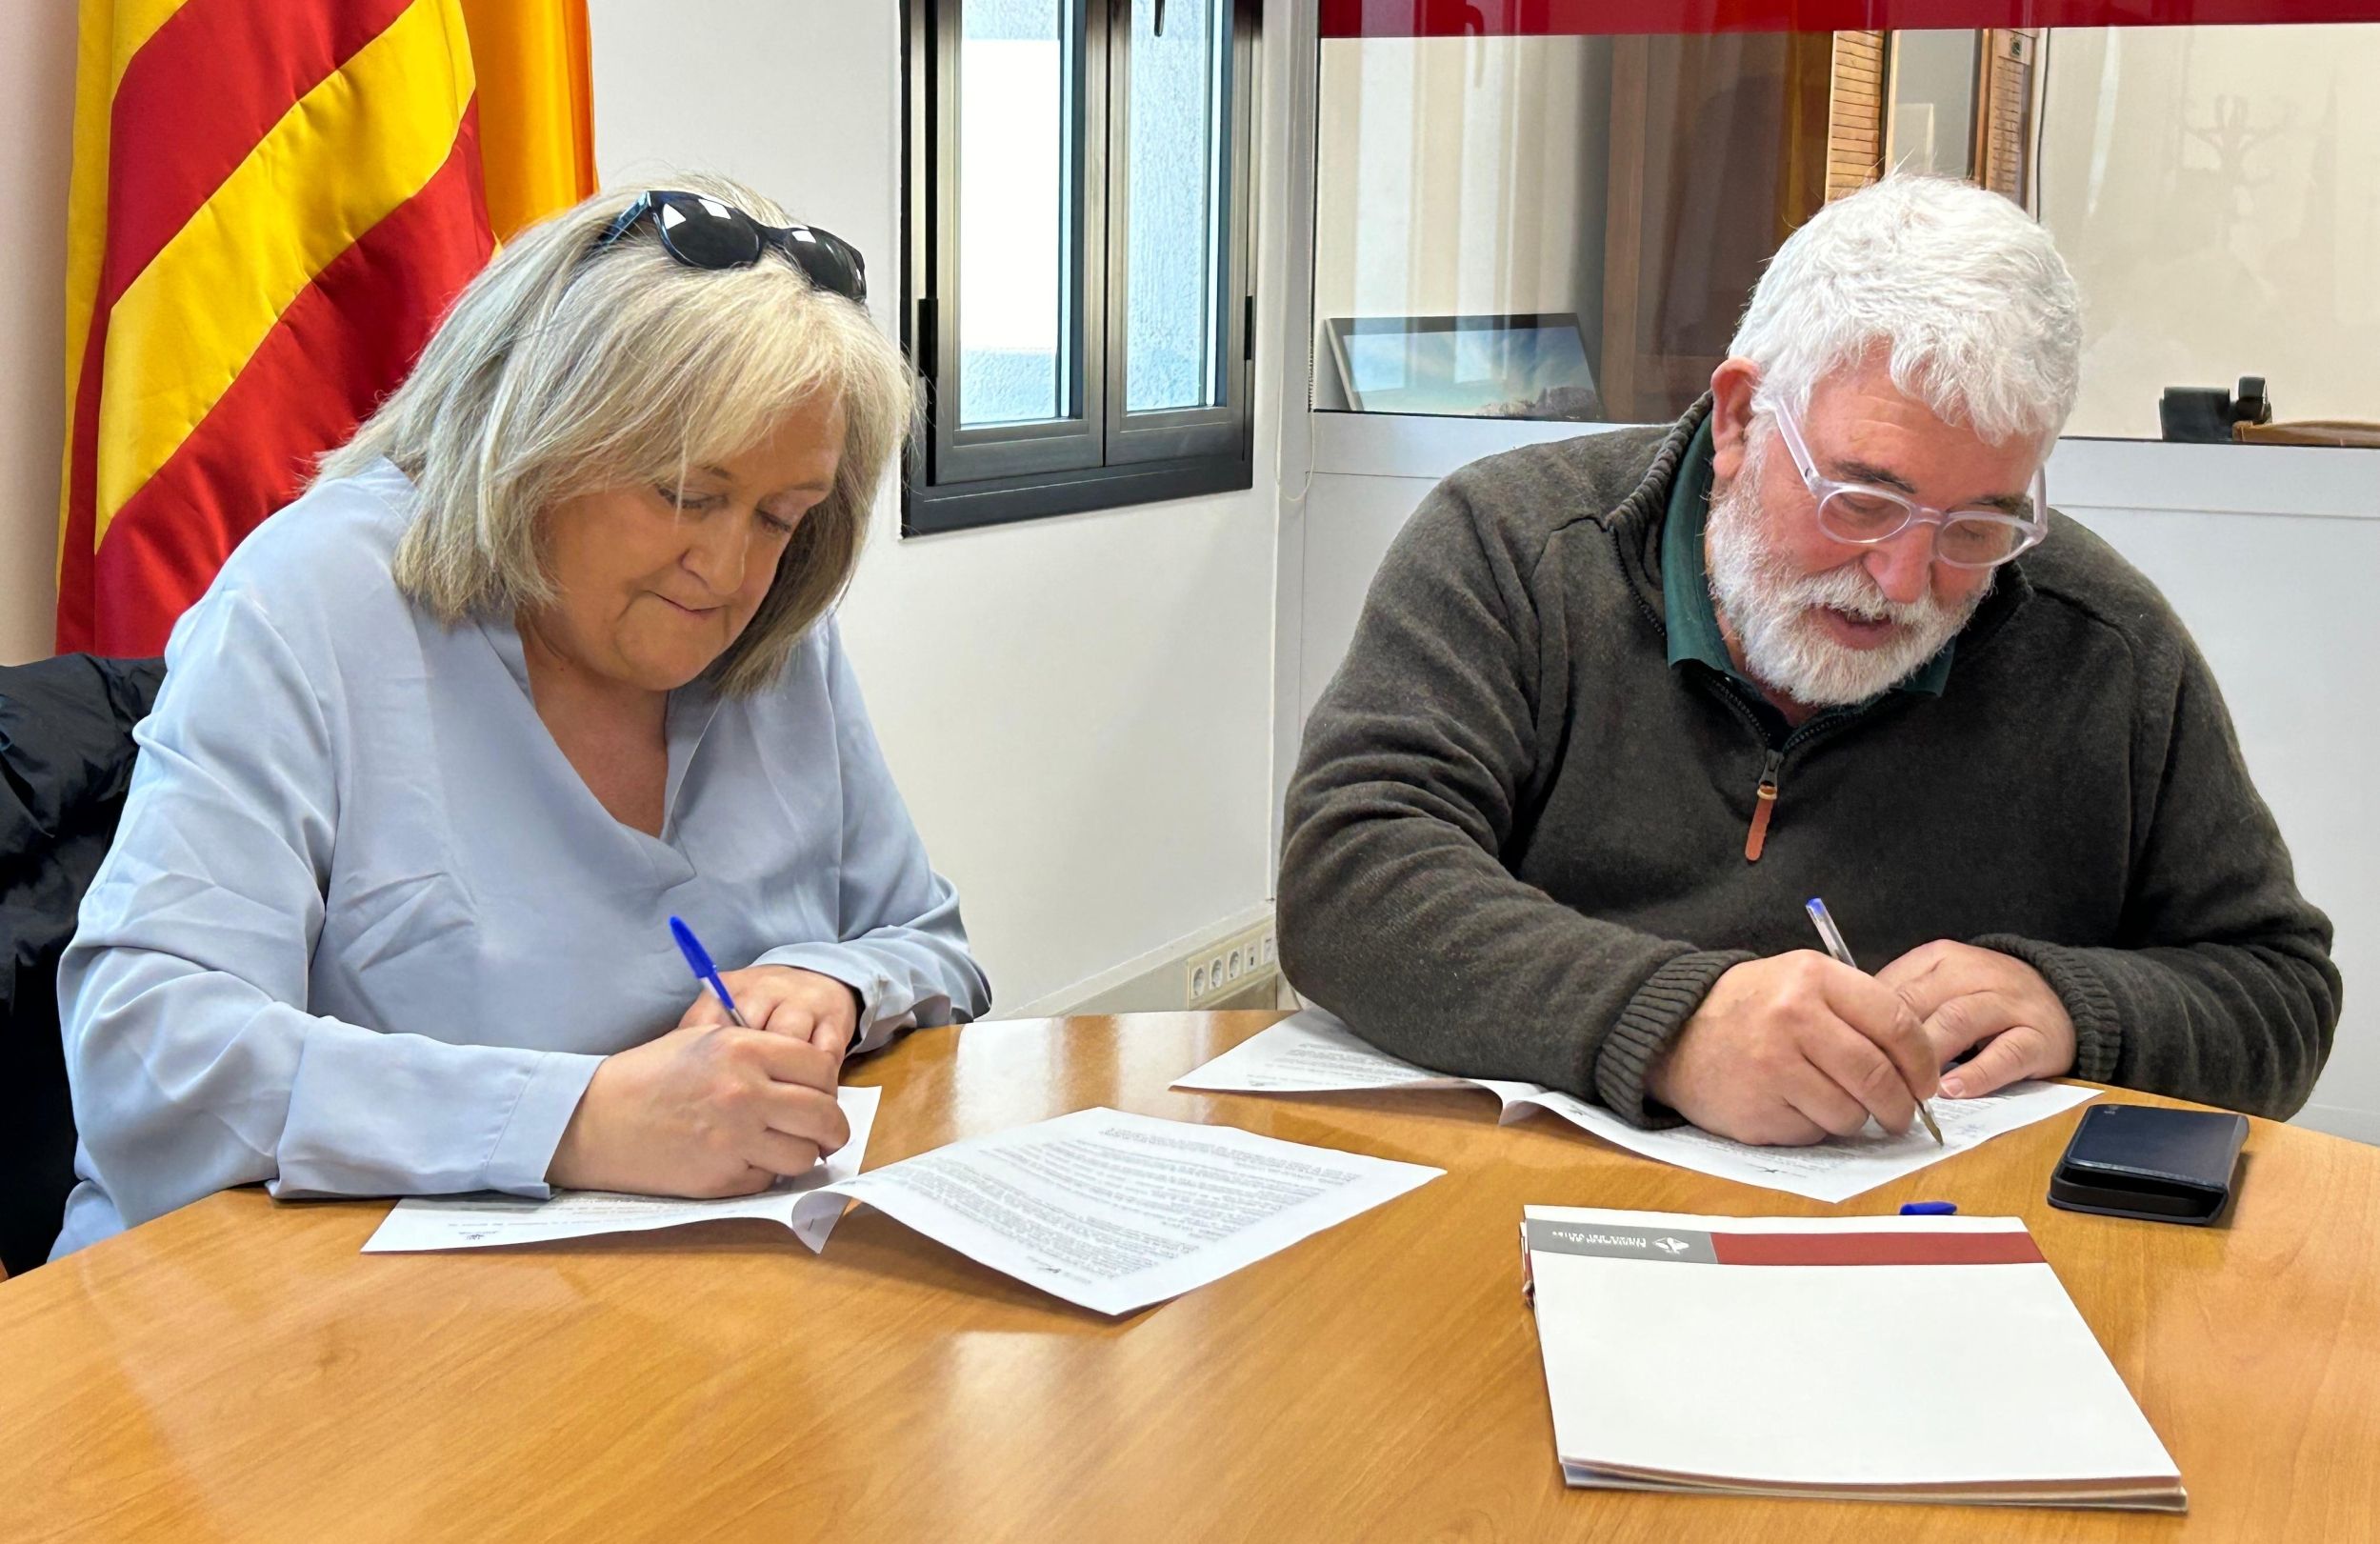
point(1765, 797)
point(1765, 794)
point(1764, 806)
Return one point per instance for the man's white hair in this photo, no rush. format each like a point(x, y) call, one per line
point(1962, 292)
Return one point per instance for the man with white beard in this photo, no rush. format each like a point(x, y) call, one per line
point(1618, 706)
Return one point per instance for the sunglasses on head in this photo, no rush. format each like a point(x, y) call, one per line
point(701, 232)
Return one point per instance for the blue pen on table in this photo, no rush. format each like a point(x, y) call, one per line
point(1832, 937)
point(699, 958)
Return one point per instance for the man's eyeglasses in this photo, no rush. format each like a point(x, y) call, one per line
point(701, 232)
point(1865, 516)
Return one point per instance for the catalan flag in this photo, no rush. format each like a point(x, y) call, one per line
point(536, 114)
point(273, 201)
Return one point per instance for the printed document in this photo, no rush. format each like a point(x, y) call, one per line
point(1313, 1053)
point(1887, 1358)
point(1114, 1210)
point(1108, 1210)
point(486, 1221)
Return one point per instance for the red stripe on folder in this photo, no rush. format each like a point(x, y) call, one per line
point(1876, 1249)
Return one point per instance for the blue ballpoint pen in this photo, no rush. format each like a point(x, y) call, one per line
point(699, 958)
point(1832, 936)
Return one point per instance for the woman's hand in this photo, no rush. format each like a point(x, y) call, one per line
point(783, 1000)
point(703, 1110)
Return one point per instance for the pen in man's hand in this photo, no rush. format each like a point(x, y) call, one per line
point(699, 958)
point(1832, 937)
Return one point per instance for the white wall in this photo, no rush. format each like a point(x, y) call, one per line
point(36, 149)
point(1079, 710)
point(2266, 553)
point(2278, 602)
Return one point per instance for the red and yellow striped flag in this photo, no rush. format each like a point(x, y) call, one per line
point(273, 201)
point(536, 115)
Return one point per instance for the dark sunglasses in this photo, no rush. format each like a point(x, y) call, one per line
point(702, 232)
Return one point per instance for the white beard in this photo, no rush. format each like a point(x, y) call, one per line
point(1774, 610)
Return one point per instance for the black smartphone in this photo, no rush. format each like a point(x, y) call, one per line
point(2157, 1165)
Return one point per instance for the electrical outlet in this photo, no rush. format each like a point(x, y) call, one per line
point(1231, 966)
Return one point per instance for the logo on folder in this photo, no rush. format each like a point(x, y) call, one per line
point(1618, 1240)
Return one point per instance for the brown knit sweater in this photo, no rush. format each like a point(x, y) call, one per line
point(1516, 841)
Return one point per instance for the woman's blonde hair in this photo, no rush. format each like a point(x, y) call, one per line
point(561, 370)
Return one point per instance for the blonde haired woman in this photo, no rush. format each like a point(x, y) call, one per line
point(542, 659)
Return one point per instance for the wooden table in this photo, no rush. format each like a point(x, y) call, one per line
point(237, 1371)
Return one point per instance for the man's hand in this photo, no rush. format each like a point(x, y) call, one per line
point(783, 1000)
point(1790, 1049)
point(1970, 997)
point(703, 1112)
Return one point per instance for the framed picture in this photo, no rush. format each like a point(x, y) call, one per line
point(1465, 367)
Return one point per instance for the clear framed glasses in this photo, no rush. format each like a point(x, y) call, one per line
point(1865, 516)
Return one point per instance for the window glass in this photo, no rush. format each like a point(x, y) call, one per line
point(1553, 227)
point(1567, 226)
point(1930, 123)
point(1178, 193)
point(1012, 239)
point(1079, 254)
point(2216, 191)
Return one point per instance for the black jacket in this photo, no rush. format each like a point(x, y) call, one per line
point(66, 758)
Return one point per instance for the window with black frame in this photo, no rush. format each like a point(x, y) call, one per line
point(1078, 256)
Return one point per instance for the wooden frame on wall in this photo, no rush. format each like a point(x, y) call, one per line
point(2009, 61)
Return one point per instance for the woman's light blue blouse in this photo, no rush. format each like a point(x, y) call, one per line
point(364, 931)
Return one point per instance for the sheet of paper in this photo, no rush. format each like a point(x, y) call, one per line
point(1838, 1169)
point(487, 1222)
point(1312, 1051)
point(1114, 1210)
